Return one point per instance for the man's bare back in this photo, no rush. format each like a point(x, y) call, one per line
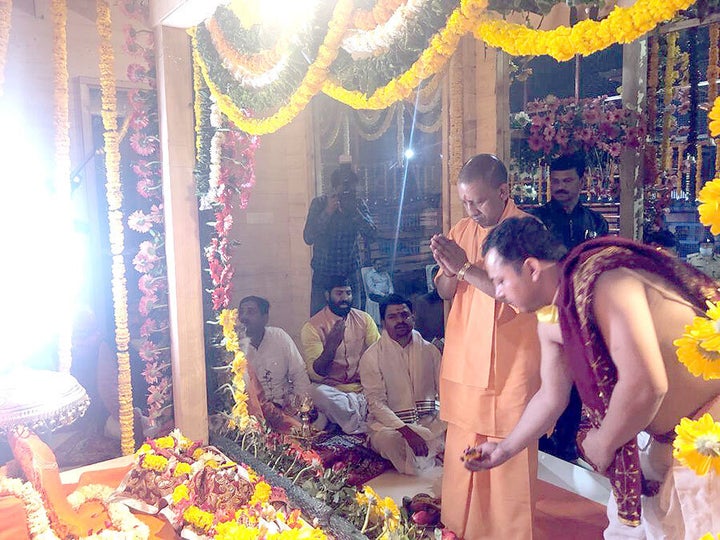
point(669, 314)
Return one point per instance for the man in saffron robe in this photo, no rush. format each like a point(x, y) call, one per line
point(610, 312)
point(490, 367)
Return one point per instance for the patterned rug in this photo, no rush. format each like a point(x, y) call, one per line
point(351, 451)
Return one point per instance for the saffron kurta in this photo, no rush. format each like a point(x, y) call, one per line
point(338, 395)
point(490, 370)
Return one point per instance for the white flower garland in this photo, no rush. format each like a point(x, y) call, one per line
point(216, 121)
point(129, 527)
point(366, 43)
point(37, 519)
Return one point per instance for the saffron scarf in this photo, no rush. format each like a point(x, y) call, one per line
point(589, 360)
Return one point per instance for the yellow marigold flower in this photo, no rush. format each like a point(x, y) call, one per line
point(261, 494)
point(182, 468)
point(231, 530)
point(180, 493)
point(367, 496)
point(697, 444)
point(154, 463)
point(391, 514)
point(699, 361)
point(714, 116)
point(198, 518)
point(709, 208)
point(165, 442)
point(197, 453)
point(710, 536)
point(144, 449)
point(227, 317)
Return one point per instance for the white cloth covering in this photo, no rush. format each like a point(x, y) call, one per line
point(401, 387)
point(346, 409)
point(279, 367)
point(686, 508)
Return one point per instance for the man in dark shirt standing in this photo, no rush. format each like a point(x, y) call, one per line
point(332, 227)
point(565, 216)
point(571, 222)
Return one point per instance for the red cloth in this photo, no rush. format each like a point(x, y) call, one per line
point(590, 362)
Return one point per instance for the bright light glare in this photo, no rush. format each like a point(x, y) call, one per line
point(409, 153)
point(287, 16)
point(43, 262)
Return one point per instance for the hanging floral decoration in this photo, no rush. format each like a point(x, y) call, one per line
point(231, 176)
point(239, 417)
point(697, 445)
point(61, 168)
point(5, 19)
point(296, 102)
point(225, 176)
point(372, 59)
point(115, 219)
point(147, 221)
point(622, 25)
point(431, 60)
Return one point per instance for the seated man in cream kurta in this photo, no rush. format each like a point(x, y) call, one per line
point(399, 374)
point(333, 341)
point(277, 364)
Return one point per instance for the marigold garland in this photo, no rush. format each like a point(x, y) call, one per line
point(62, 150)
point(669, 80)
point(622, 25)
point(311, 83)
point(697, 445)
point(5, 18)
point(115, 219)
point(455, 119)
point(239, 414)
point(430, 62)
point(379, 14)
point(256, 70)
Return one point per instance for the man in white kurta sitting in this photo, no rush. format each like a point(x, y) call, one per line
point(333, 341)
point(276, 363)
point(399, 375)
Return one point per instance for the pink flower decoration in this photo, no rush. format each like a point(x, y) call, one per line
point(140, 222)
point(139, 121)
point(137, 72)
point(147, 304)
point(143, 144)
point(143, 168)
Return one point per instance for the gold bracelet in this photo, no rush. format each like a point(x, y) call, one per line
point(461, 273)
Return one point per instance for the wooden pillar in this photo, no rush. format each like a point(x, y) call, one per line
point(476, 109)
point(634, 90)
point(182, 240)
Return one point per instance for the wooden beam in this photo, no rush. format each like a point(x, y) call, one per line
point(634, 91)
point(182, 237)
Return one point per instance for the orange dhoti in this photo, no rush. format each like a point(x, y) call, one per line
point(498, 502)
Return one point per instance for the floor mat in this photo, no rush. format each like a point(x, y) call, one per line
point(338, 450)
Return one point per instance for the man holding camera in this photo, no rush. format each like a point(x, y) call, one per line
point(332, 227)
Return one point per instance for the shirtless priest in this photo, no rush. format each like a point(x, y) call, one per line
point(608, 314)
point(399, 374)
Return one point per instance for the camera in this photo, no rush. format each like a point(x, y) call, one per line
point(348, 198)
